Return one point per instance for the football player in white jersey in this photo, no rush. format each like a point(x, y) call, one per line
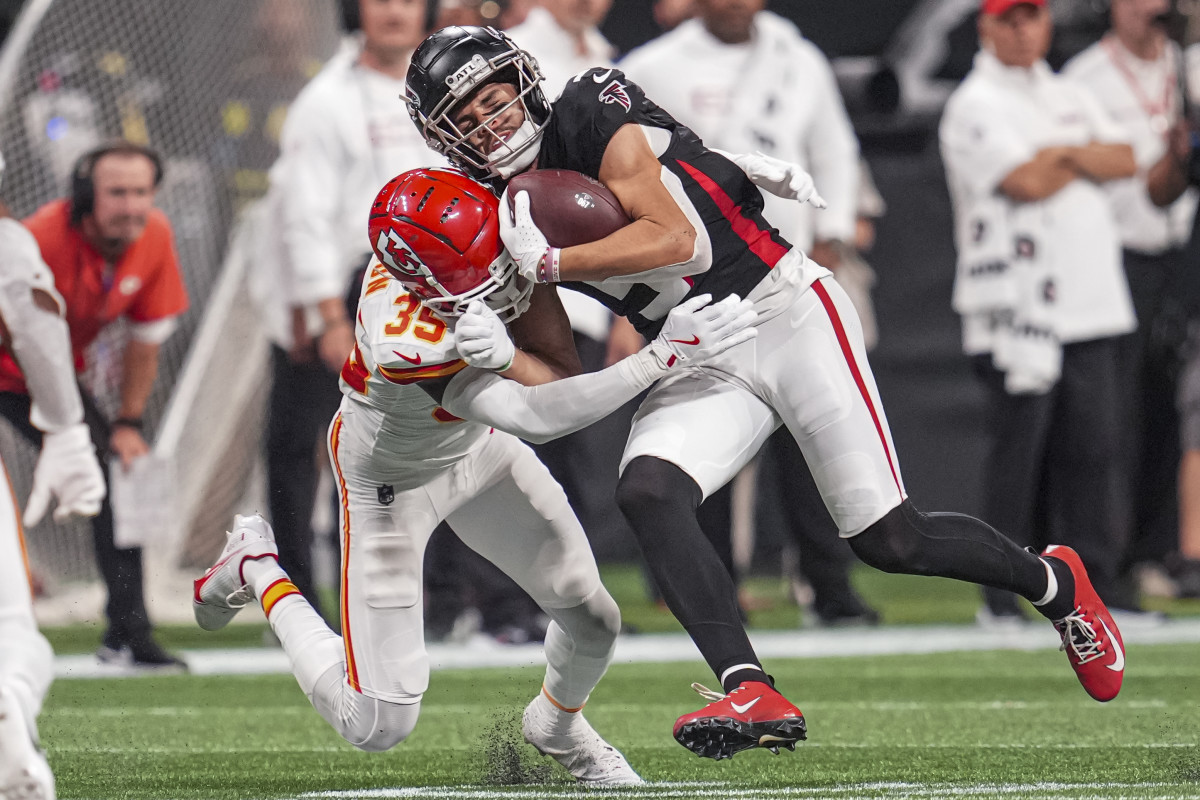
point(32, 328)
point(421, 437)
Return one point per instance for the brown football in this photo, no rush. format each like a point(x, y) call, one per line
point(569, 207)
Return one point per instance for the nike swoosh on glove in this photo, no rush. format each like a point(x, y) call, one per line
point(699, 329)
point(780, 178)
point(536, 260)
point(482, 340)
point(66, 469)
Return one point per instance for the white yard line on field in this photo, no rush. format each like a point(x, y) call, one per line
point(726, 790)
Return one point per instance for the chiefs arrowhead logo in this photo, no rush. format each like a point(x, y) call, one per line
point(397, 254)
point(615, 93)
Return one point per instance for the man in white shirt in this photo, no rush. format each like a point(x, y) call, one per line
point(346, 135)
point(1041, 289)
point(729, 75)
point(1133, 72)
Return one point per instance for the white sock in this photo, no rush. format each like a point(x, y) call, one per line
point(261, 573)
point(312, 648)
point(1051, 585)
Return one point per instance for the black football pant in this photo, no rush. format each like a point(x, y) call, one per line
point(121, 569)
point(1150, 365)
point(1055, 472)
point(304, 398)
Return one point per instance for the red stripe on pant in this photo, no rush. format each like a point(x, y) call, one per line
point(848, 353)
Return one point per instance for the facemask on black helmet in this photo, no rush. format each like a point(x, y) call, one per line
point(447, 70)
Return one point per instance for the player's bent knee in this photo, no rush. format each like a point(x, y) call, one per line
point(895, 543)
point(26, 651)
point(391, 724)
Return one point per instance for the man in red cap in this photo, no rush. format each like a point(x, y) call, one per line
point(1042, 292)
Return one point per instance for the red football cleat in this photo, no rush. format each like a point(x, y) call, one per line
point(752, 715)
point(1089, 635)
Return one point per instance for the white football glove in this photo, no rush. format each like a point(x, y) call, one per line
point(482, 339)
point(780, 178)
point(536, 260)
point(695, 330)
point(66, 469)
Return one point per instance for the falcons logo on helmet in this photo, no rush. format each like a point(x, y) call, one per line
point(615, 93)
point(398, 255)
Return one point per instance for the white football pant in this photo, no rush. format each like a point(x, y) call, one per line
point(26, 660)
point(503, 503)
point(806, 369)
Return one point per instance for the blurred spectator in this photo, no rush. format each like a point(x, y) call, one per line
point(1042, 294)
point(1168, 179)
point(1133, 73)
point(345, 135)
point(669, 13)
point(564, 37)
point(113, 255)
point(727, 75)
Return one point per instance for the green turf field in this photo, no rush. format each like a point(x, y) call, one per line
point(994, 724)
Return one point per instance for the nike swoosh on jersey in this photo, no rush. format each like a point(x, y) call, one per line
point(415, 361)
point(1118, 662)
point(742, 709)
point(693, 340)
point(602, 76)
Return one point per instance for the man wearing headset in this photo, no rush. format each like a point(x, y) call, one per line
point(112, 255)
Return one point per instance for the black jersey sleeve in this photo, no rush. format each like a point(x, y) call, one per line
point(591, 109)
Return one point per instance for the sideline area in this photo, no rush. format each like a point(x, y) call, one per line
point(483, 652)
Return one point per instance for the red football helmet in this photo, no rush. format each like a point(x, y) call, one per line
point(438, 233)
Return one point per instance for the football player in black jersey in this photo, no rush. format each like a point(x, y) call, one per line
point(697, 228)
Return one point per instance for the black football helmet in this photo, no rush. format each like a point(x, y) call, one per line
point(451, 64)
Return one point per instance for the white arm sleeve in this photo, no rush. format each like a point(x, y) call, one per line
point(541, 413)
point(316, 169)
point(832, 154)
point(40, 340)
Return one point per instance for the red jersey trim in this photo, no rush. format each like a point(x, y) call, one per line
point(758, 240)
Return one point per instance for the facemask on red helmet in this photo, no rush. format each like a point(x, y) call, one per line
point(438, 233)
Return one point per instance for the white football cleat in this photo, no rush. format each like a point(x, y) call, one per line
point(571, 741)
point(223, 591)
point(24, 773)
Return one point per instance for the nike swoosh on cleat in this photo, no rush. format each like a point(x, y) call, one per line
point(414, 361)
point(742, 709)
point(1118, 662)
point(694, 340)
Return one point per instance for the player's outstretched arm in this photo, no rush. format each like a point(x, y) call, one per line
point(694, 331)
point(781, 178)
point(30, 310)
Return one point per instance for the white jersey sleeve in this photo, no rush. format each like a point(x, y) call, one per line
point(37, 337)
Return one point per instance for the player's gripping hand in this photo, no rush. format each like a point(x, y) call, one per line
point(536, 260)
point(699, 329)
point(66, 469)
point(482, 339)
point(780, 178)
